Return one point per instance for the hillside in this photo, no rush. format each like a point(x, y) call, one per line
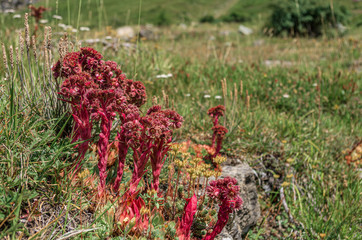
point(127, 12)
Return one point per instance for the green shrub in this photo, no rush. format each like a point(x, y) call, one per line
point(162, 19)
point(236, 17)
point(207, 19)
point(305, 18)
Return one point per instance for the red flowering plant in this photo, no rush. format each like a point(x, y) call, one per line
point(219, 132)
point(215, 113)
point(98, 94)
point(159, 124)
point(97, 90)
point(226, 193)
point(73, 90)
point(37, 12)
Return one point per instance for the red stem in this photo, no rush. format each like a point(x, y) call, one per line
point(103, 142)
point(222, 220)
point(123, 149)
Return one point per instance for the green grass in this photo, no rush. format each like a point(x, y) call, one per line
point(287, 117)
point(97, 13)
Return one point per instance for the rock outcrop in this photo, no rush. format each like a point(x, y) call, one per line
point(249, 214)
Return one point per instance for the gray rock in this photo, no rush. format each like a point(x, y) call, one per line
point(148, 32)
point(258, 42)
point(249, 214)
point(245, 30)
point(6, 5)
point(341, 28)
point(125, 33)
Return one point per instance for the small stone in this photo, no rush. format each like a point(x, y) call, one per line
point(245, 30)
point(125, 33)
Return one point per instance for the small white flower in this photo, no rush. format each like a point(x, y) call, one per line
point(286, 95)
point(74, 30)
point(9, 11)
point(57, 17)
point(43, 21)
point(108, 38)
point(207, 96)
point(62, 25)
point(161, 76)
point(17, 16)
point(187, 95)
point(218, 97)
point(164, 75)
point(315, 84)
point(84, 29)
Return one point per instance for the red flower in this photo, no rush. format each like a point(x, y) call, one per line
point(226, 193)
point(216, 112)
point(37, 12)
point(159, 125)
point(98, 90)
point(219, 133)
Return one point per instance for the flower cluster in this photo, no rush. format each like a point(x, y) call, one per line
point(37, 12)
point(97, 91)
point(219, 131)
point(226, 193)
point(215, 113)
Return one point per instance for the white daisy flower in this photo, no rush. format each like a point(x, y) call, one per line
point(84, 29)
point(286, 95)
point(57, 17)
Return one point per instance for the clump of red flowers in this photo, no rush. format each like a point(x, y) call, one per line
point(37, 12)
point(99, 94)
point(215, 113)
point(97, 91)
point(226, 192)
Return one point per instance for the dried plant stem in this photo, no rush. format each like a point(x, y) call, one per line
point(174, 196)
point(18, 63)
point(27, 44)
point(165, 99)
point(191, 187)
point(11, 55)
point(5, 59)
point(285, 205)
point(198, 184)
point(247, 100)
point(224, 93)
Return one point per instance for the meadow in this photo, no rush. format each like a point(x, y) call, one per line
point(292, 103)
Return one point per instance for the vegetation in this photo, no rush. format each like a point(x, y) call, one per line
point(296, 115)
point(303, 18)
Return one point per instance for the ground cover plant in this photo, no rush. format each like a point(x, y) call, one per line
point(297, 122)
